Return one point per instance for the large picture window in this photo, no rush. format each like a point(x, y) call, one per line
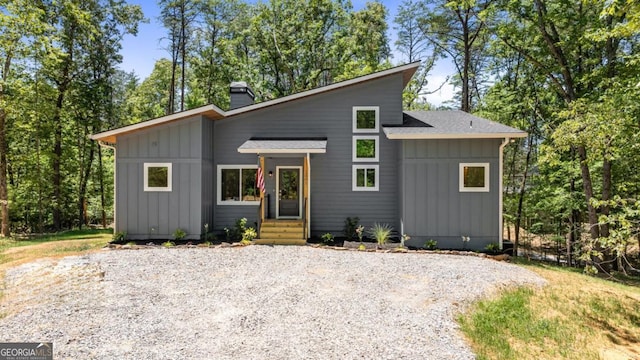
point(237, 185)
point(474, 177)
point(366, 119)
point(365, 177)
point(365, 148)
point(157, 176)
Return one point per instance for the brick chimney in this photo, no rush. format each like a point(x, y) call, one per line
point(241, 95)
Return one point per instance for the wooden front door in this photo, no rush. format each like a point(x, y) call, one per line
point(288, 190)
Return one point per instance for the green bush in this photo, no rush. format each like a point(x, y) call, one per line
point(179, 234)
point(493, 247)
point(236, 233)
point(350, 226)
point(248, 235)
point(327, 238)
point(431, 244)
point(120, 236)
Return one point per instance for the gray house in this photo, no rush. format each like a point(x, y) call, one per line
point(342, 150)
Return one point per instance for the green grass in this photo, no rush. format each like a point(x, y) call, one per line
point(60, 236)
point(574, 317)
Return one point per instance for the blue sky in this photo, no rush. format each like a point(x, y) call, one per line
point(142, 51)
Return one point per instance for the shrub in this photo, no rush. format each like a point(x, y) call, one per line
point(237, 231)
point(179, 234)
point(168, 244)
point(493, 247)
point(208, 236)
point(381, 232)
point(327, 238)
point(248, 235)
point(431, 244)
point(350, 226)
point(120, 236)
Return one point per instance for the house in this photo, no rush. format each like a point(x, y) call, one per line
point(342, 150)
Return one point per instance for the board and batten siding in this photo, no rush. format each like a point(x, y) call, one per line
point(156, 215)
point(323, 115)
point(433, 206)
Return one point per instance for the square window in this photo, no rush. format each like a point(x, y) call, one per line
point(474, 177)
point(366, 119)
point(365, 148)
point(237, 185)
point(157, 176)
point(365, 177)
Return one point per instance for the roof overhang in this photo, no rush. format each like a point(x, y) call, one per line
point(211, 111)
point(284, 146)
point(421, 134)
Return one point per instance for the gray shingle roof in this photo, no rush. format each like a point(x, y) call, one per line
point(448, 124)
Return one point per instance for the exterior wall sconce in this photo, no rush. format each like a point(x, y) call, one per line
point(270, 173)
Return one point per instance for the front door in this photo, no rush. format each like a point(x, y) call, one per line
point(288, 187)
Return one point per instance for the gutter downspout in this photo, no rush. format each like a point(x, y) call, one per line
point(115, 177)
point(504, 143)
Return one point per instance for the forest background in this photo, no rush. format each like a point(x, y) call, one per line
point(567, 72)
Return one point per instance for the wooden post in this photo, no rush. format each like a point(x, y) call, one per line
point(307, 184)
point(262, 193)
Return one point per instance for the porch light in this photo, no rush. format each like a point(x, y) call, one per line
point(270, 173)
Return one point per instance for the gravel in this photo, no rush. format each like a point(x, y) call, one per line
point(255, 302)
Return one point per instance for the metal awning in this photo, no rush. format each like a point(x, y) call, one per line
point(284, 146)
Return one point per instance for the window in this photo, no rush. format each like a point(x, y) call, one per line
point(157, 176)
point(365, 148)
point(237, 185)
point(365, 177)
point(474, 177)
point(366, 119)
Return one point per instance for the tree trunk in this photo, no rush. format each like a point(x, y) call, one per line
point(82, 193)
point(521, 193)
point(101, 178)
point(4, 194)
point(587, 187)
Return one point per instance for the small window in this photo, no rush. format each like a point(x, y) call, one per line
point(365, 148)
point(366, 119)
point(474, 177)
point(365, 177)
point(157, 176)
point(237, 185)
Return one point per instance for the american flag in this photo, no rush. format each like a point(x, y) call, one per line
point(260, 179)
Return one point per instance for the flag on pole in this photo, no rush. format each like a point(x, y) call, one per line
point(260, 180)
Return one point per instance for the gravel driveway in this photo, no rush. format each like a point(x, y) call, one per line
point(256, 302)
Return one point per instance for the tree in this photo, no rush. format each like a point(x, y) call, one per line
point(21, 26)
point(458, 30)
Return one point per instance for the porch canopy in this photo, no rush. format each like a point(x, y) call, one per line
point(284, 146)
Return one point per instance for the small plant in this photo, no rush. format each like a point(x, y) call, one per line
point(131, 243)
point(465, 240)
point(120, 236)
point(350, 226)
point(237, 231)
point(248, 235)
point(208, 236)
point(179, 234)
point(362, 247)
point(360, 233)
point(404, 238)
point(168, 244)
point(381, 232)
point(327, 238)
point(493, 247)
point(431, 244)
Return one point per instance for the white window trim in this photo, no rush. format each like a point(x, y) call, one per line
point(354, 177)
point(485, 188)
point(145, 175)
point(355, 118)
point(355, 148)
point(219, 185)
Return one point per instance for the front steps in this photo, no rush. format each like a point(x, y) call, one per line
point(281, 232)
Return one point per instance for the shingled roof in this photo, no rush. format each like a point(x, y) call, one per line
point(449, 124)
